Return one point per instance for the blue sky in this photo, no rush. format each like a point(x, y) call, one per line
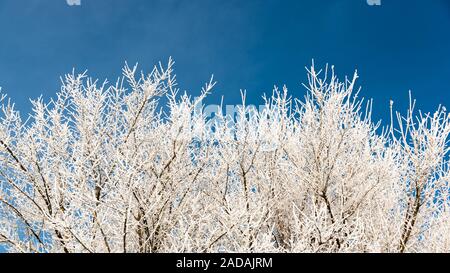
point(246, 44)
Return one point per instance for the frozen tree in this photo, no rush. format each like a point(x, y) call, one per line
point(106, 168)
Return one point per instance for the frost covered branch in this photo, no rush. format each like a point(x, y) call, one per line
point(105, 168)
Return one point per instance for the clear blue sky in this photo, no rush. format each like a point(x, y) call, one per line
point(246, 44)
